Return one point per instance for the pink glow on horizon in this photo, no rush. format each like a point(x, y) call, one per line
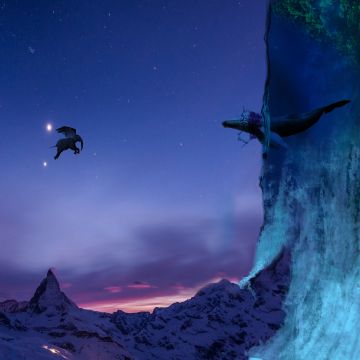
point(133, 305)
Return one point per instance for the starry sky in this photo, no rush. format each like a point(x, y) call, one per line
point(162, 200)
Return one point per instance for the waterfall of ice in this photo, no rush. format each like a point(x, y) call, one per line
point(311, 195)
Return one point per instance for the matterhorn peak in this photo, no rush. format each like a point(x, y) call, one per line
point(48, 296)
point(50, 273)
point(52, 281)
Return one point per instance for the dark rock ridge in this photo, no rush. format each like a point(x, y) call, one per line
point(222, 321)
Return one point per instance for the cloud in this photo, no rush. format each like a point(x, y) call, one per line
point(166, 259)
point(174, 261)
point(113, 289)
point(141, 285)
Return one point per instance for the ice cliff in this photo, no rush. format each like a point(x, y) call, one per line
point(311, 192)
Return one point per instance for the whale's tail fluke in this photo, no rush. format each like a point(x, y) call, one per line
point(335, 105)
point(295, 123)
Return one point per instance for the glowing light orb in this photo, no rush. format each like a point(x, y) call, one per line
point(45, 164)
point(49, 127)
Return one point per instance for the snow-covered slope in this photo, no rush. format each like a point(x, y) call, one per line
point(222, 321)
point(12, 305)
point(52, 326)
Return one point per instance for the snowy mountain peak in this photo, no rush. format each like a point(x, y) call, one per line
point(49, 297)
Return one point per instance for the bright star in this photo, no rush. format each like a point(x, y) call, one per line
point(44, 164)
point(48, 127)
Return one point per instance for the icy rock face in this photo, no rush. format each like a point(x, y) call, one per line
point(222, 321)
point(312, 191)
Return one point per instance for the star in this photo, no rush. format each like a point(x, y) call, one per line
point(48, 127)
point(45, 164)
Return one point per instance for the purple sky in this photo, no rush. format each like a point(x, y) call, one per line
point(163, 199)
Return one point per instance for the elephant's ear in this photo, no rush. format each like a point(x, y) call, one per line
point(68, 131)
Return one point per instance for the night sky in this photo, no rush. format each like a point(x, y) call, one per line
point(162, 200)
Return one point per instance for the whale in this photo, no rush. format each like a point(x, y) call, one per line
point(251, 122)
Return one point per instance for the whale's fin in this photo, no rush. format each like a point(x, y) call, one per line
point(277, 141)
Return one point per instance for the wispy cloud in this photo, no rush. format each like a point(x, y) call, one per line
point(141, 285)
point(166, 261)
point(113, 289)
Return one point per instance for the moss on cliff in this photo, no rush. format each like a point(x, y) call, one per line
point(337, 21)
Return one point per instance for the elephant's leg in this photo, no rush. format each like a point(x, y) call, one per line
point(75, 148)
point(58, 154)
